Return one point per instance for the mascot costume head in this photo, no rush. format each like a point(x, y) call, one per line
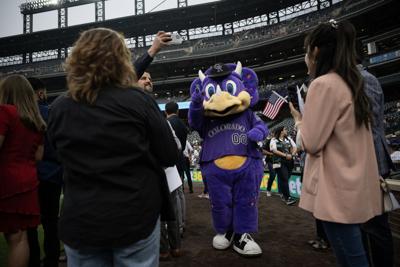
point(230, 160)
point(227, 89)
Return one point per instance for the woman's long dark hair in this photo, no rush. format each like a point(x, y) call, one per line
point(277, 132)
point(337, 52)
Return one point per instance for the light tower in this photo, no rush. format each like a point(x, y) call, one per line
point(39, 6)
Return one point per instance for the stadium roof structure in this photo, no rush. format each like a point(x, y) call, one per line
point(220, 12)
point(39, 6)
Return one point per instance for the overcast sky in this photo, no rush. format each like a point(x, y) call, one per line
point(11, 19)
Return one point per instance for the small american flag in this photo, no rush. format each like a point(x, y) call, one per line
point(274, 104)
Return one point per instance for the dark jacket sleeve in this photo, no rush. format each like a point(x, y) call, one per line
point(53, 122)
point(375, 95)
point(180, 130)
point(142, 63)
point(162, 141)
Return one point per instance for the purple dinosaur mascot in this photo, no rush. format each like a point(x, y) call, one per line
point(230, 158)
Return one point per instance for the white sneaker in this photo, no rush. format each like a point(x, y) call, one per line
point(269, 193)
point(207, 196)
point(246, 246)
point(222, 242)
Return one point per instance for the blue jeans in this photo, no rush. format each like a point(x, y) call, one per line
point(144, 253)
point(346, 241)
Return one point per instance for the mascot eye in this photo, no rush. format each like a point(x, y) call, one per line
point(210, 90)
point(231, 87)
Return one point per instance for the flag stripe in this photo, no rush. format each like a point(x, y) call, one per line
point(271, 110)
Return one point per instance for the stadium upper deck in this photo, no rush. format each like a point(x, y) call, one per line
point(269, 38)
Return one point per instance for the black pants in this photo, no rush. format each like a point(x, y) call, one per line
point(181, 168)
point(320, 230)
point(205, 191)
point(34, 249)
point(272, 175)
point(284, 173)
point(170, 236)
point(186, 167)
point(49, 199)
point(378, 241)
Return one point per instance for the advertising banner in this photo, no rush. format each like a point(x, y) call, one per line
point(294, 183)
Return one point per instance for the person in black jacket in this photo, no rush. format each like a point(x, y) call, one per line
point(107, 133)
point(50, 175)
point(181, 131)
point(172, 110)
point(170, 239)
point(377, 235)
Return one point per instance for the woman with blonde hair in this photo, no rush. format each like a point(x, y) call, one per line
point(113, 143)
point(21, 138)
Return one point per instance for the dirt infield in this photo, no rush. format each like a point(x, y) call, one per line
point(283, 235)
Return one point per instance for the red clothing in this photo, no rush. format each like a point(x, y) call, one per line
point(18, 178)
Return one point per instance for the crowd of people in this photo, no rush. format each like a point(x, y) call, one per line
point(100, 144)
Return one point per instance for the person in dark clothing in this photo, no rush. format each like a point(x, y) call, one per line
point(269, 161)
point(377, 235)
point(107, 133)
point(172, 110)
point(284, 149)
point(50, 175)
point(170, 238)
point(322, 241)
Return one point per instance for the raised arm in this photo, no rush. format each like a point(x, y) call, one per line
point(196, 111)
point(143, 62)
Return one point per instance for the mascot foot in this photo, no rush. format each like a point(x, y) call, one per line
point(246, 246)
point(224, 241)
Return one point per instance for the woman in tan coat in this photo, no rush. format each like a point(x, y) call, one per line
point(341, 185)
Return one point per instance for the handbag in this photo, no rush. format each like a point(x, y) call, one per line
point(390, 202)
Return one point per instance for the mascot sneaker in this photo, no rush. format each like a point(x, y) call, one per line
point(246, 246)
point(222, 242)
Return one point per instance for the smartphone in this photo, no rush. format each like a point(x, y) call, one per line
point(292, 96)
point(176, 39)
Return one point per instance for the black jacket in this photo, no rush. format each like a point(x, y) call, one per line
point(180, 129)
point(113, 153)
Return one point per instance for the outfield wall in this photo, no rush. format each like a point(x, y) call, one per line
point(294, 183)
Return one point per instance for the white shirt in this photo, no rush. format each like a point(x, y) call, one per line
point(188, 149)
point(287, 140)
